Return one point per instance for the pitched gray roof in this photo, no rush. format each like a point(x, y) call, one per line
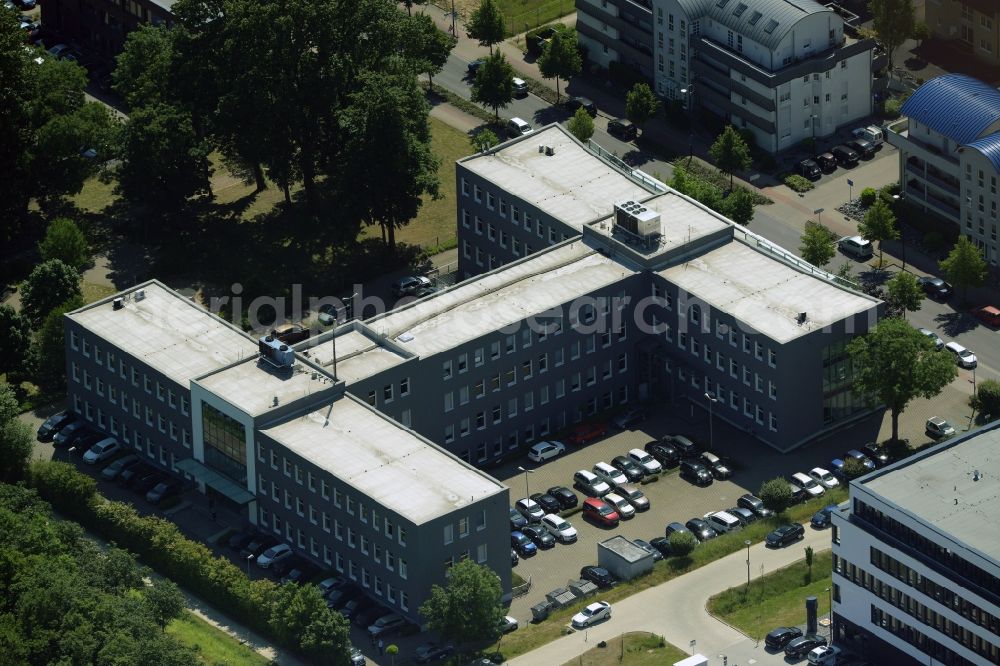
point(763, 21)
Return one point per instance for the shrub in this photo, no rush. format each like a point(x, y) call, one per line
point(854, 468)
point(681, 544)
point(776, 494)
point(987, 400)
point(892, 107)
point(868, 196)
point(798, 183)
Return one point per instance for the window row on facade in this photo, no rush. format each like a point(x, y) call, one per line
point(918, 639)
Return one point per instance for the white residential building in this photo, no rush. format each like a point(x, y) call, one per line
point(784, 69)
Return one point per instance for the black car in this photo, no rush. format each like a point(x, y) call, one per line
point(809, 169)
point(341, 596)
point(54, 424)
point(163, 490)
point(778, 638)
point(599, 576)
point(674, 528)
point(114, 470)
point(695, 472)
point(661, 544)
point(239, 540)
point(701, 530)
point(548, 503)
point(799, 494)
point(649, 548)
point(567, 498)
point(128, 476)
point(664, 453)
point(632, 470)
point(745, 516)
point(935, 287)
point(517, 521)
point(684, 446)
point(755, 504)
point(300, 573)
point(863, 147)
point(82, 440)
point(430, 652)
point(622, 128)
point(539, 536)
point(785, 534)
point(574, 103)
point(716, 465)
point(822, 518)
point(845, 156)
point(258, 545)
point(282, 567)
point(800, 647)
point(474, 66)
point(144, 483)
point(366, 617)
point(876, 454)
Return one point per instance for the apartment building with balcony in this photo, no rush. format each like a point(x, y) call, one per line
point(972, 24)
point(949, 156)
point(617, 32)
point(784, 69)
point(916, 567)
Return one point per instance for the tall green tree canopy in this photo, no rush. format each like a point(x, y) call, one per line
point(15, 340)
point(50, 284)
point(64, 241)
point(817, 244)
point(494, 84)
point(428, 46)
point(905, 292)
point(776, 494)
point(879, 225)
point(641, 105)
point(730, 152)
point(894, 22)
point(581, 125)
point(738, 206)
point(964, 266)
point(469, 608)
point(561, 57)
point(486, 24)
point(894, 363)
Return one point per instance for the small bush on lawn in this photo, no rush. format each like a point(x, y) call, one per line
point(798, 183)
point(868, 196)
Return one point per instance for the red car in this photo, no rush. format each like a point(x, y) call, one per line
point(587, 433)
point(600, 512)
point(988, 314)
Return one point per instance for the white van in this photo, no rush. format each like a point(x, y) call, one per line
point(723, 521)
point(517, 127)
point(857, 247)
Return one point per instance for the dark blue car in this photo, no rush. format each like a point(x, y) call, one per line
point(522, 544)
point(822, 517)
point(517, 521)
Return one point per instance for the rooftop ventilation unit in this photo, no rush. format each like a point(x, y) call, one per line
point(637, 220)
point(276, 352)
point(802, 318)
point(118, 303)
point(140, 294)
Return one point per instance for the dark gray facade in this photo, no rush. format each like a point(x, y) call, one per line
point(617, 31)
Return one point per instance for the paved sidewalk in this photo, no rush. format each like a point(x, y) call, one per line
point(676, 609)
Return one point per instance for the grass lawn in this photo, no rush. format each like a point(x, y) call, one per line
point(531, 636)
point(640, 649)
point(95, 292)
point(777, 599)
point(214, 646)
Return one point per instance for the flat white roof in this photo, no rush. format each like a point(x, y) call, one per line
point(573, 185)
point(506, 296)
point(166, 331)
point(385, 461)
point(928, 486)
point(764, 293)
point(358, 356)
point(255, 386)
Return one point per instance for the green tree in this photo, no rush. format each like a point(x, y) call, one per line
point(809, 564)
point(561, 57)
point(484, 139)
point(144, 65)
point(921, 32)
point(776, 494)
point(61, 484)
point(730, 152)
point(904, 291)
point(844, 272)
point(893, 21)
point(17, 441)
point(987, 399)
point(9, 406)
point(681, 181)
point(326, 639)
point(486, 25)
point(894, 363)
point(50, 283)
point(853, 468)
point(64, 241)
point(429, 46)
point(738, 206)
point(409, 5)
point(581, 125)
point(817, 244)
point(641, 105)
point(164, 600)
point(964, 266)
point(16, 92)
point(49, 350)
point(682, 543)
point(15, 341)
point(469, 608)
point(494, 84)
point(294, 608)
point(879, 225)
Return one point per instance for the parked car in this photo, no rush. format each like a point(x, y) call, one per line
point(164, 489)
point(684, 446)
point(845, 156)
point(128, 477)
point(933, 337)
point(755, 504)
point(574, 103)
point(938, 428)
point(238, 541)
point(274, 554)
point(111, 472)
point(824, 655)
point(368, 616)
point(648, 547)
point(799, 493)
point(745, 516)
point(809, 169)
point(599, 576)
point(102, 450)
point(513, 557)
point(301, 572)
point(587, 432)
point(778, 638)
point(935, 287)
point(592, 614)
point(649, 464)
point(600, 512)
point(864, 148)
point(784, 534)
point(517, 521)
point(520, 542)
point(566, 497)
point(539, 536)
point(634, 496)
point(630, 417)
point(988, 314)
point(857, 247)
point(258, 545)
point(621, 505)
point(548, 503)
point(877, 454)
point(357, 657)
point(54, 424)
point(664, 453)
point(508, 624)
point(963, 357)
point(673, 528)
point(700, 529)
point(473, 67)
point(590, 484)
point(406, 286)
point(822, 518)
point(64, 435)
point(623, 129)
point(632, 470)
point(715, 465)
point(560, 528)
point(518, 127)
point(83, 440)
point(800, 647)
point(837, 469)
point(808, 484)
point(519, 87)
point(695, 472)
point(827, 162)
point(427, 653)
point(872, 134)
point(823, 477)
point(545, 450)
point(387, 625)
point(613, 476)
point(861, 458)
point(529, 509)
point(723, 522)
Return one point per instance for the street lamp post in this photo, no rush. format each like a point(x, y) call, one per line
point(897, 199)
point(690, 148)
point(830, 590)
point(249, 557)
point(812, 121)
point(746, 542)
point(819, 215)
point(711, 435)
point(526, 473)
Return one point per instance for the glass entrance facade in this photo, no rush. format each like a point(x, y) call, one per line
point(225, 443)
